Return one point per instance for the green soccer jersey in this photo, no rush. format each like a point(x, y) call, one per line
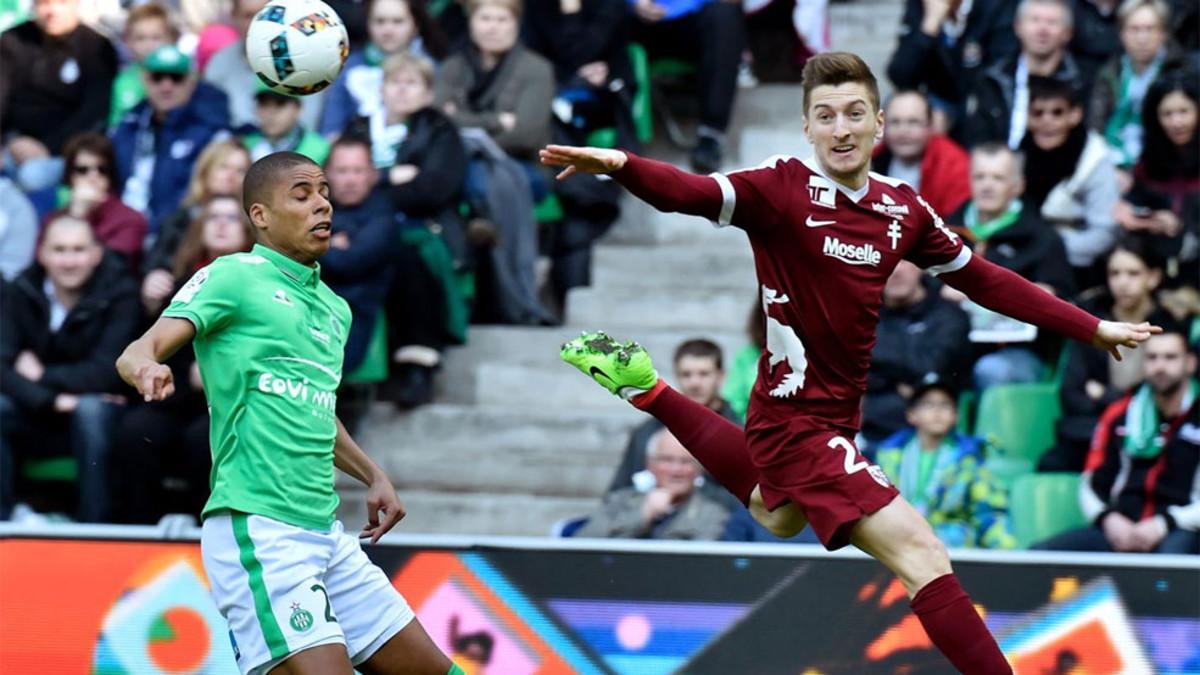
point(269, 340)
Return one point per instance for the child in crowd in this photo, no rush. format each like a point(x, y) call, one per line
point(279, 128)
point(943, 474)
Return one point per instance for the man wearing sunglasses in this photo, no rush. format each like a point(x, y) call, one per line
point(158, 141)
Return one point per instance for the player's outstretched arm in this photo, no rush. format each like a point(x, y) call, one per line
point(659, 184)
point(381, 496)
point(1004, 291)
point(141, 364)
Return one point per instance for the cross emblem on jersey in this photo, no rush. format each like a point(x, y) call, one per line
point(894, 233)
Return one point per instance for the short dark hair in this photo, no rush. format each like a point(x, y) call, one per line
point(699, 347)
point(348, 141)
point(933, 384)
point(834, 68)
point(1042, 88)
point(1140, 246)
point(261, 176)
point(92, 143)
point(912, 92)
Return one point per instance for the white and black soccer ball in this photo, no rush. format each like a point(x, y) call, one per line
point(297, 47)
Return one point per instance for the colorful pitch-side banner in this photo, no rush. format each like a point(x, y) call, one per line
point(142, 607)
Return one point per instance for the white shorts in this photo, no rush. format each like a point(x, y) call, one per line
point(284, 589)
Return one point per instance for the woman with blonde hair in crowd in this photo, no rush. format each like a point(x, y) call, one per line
point(219, 170)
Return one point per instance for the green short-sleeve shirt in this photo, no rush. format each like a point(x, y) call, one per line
point(270, 336)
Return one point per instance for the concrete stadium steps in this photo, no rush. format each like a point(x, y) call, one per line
point(630, 309)
point(431, 512)
point(520, 366)
point(729, 267)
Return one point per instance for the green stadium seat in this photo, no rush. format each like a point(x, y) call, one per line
point(374, 366)
point(549, 210)
point(62, 469)
point(1019, 419)
point(602, 138)
point(643, 116)
point(1042, 505)
point(966, 411)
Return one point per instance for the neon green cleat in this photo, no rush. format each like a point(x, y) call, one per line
point(623, 369)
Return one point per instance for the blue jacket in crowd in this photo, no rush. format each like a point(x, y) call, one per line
point(362, 273)
point(181, 137)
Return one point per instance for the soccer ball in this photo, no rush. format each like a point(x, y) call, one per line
point(297, 47)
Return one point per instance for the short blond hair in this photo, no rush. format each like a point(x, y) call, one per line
point(1159, 7)
point(406, 62)
point(514, 6)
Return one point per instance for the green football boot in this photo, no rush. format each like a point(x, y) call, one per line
point(623, 369)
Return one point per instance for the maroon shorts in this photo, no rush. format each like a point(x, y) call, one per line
point(819, 469)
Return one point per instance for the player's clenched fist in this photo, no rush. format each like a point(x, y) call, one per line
point(154, 382)
point(587, 160)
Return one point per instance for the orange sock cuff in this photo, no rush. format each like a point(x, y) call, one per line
point(645, 400)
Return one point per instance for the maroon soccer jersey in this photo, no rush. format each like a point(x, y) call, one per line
point(823, 253)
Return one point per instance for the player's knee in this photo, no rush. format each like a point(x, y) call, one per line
point(928, 554)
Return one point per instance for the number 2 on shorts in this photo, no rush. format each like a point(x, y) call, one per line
point(328, 610)
point(850, 465)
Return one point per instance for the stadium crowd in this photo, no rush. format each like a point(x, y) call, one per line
point(1059, 137)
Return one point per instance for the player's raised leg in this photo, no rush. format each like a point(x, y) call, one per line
point(322, 660)
point(625, 369)
point(899, 537)
point(409, 652)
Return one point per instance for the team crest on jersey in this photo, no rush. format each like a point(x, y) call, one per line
point(821, 191)
point(301, 620)
point(189, 290)
point(888, 206)
point(879, 476)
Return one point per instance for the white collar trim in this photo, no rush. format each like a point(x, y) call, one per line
point(853, 195)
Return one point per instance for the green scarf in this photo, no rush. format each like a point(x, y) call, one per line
point(918, 486)
point(1124, 129)
point(1142, 437)
point(985, 231)
point(374, 56)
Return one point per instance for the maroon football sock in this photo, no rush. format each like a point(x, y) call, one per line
point(956, 629)
point(718, 444)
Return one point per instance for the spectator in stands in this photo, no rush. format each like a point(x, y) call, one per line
point(931, 163)
point(1139, 482)
point(1070, 177)
point(588, 43)
point(147, 28)
point(158, 142)
point(944, 46)
point(354, 16)
point(1095, 37)
point(228, 71)
point(671, 508)
point(279, 128)
point(999, 105)
point(219, 170)
point(161, 458)
point(712, 32)
point(920, 335)
point(499, 85)
point(944, 474)
point(1121, 86)
point(743, 370)
point(416, 146)
point(1090, 384)
point(424, 173)
point(1002, 230)
point(699, 372)
point(89, 176)
point(18, 229)
point(358, 265)
point(66, 319)
point(394, 27)
point(55, 82)
point(1164, 202)
point(496, 84)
